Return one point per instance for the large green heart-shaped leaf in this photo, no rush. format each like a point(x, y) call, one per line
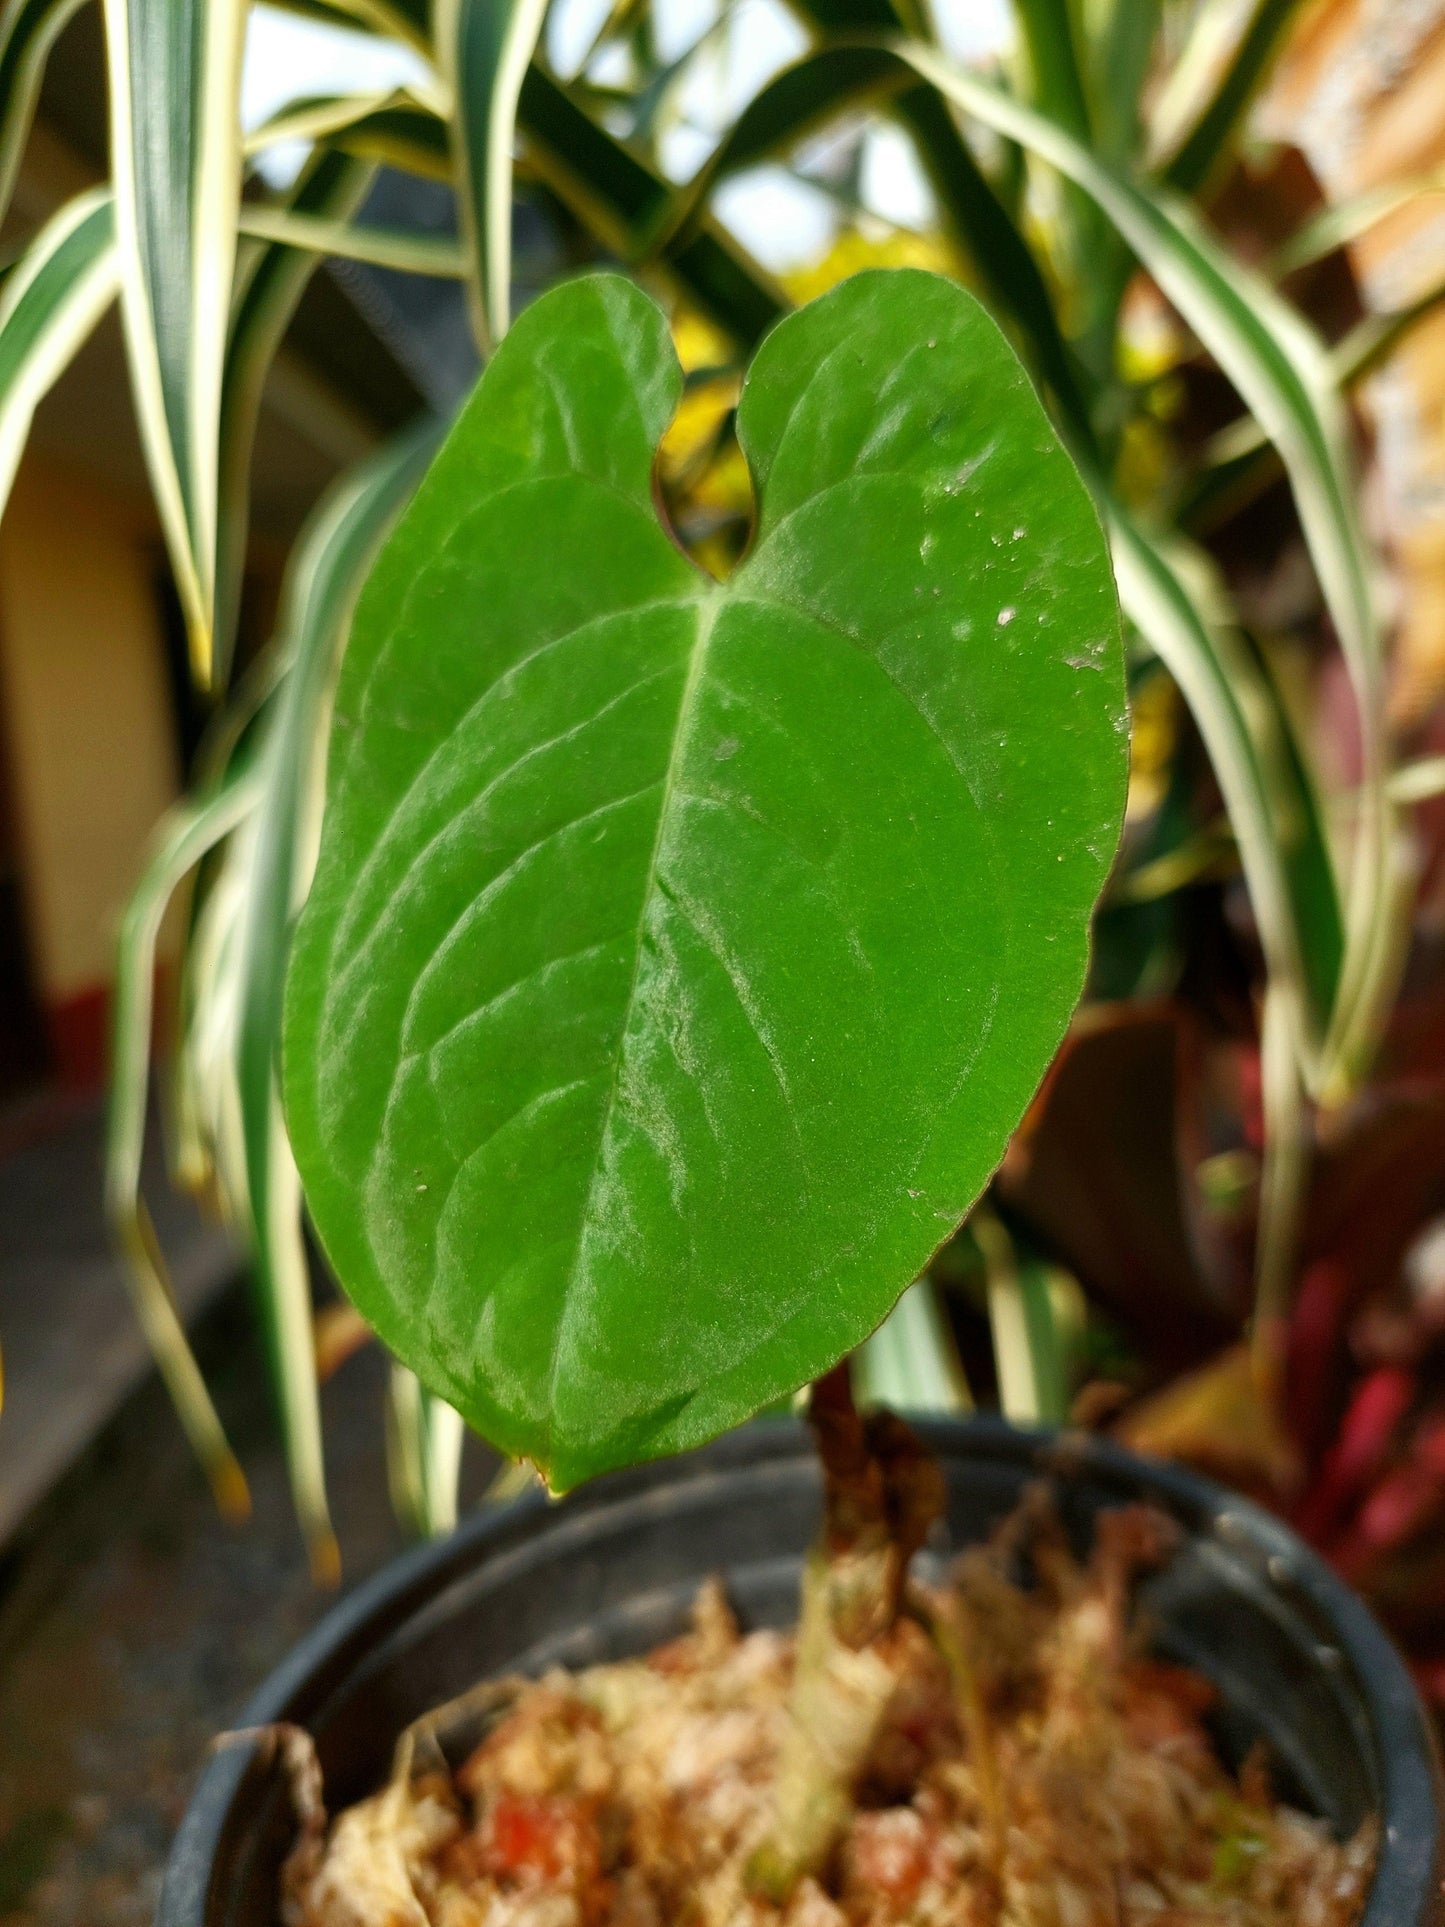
point(681, 954)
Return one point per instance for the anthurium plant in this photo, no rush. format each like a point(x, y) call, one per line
point(682, 952)
point(683, 948)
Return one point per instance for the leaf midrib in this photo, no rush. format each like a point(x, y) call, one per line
point(710, 601)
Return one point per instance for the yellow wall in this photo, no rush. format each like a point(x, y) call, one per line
point(86, 707)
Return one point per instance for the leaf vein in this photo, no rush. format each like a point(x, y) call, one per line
point(469, 715)
point(742, 992)
point(417, 862)
point(507, 991)
point(496, 883)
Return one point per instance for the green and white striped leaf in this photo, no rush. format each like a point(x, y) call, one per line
point(174, 68)
point(51, 301)
point(205, 1136)
point(397, 248)
point(28, 30)
point(398, 128)
point(404, 20)
point(1218, 73)
point(1047, 30)
point(424, 1440)
point(330, 187)
point(843, 78)
point(1340, 222)
point(1049, 33)
point(192, 829)
point(613, 193)
point(623, 202)
point(1167, 591)
point(1121, 51)
point(1027, 1349)
point(485, 47)
point(1240, 462)
point(325, 576)
point(911, 1363)
point(1283, 1185)
point(1004, 265)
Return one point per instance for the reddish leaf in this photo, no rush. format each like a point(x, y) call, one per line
point(1380, 1174)
point(1315, 1363)
point(1380, 1402)
point(1096, 1173)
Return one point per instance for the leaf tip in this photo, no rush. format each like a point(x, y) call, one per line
point(324, 1556)
point(232, 1493)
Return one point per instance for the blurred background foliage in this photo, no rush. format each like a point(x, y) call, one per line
point(1220, 1231)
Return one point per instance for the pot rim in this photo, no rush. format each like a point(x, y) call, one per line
point(1400, 1733)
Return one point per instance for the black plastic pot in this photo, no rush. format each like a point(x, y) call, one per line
point(612, 1570)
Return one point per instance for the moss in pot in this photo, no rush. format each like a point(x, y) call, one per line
point(681, 954)
point(614, 1570)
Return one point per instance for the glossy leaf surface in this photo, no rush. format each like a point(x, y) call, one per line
point(681, 954)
